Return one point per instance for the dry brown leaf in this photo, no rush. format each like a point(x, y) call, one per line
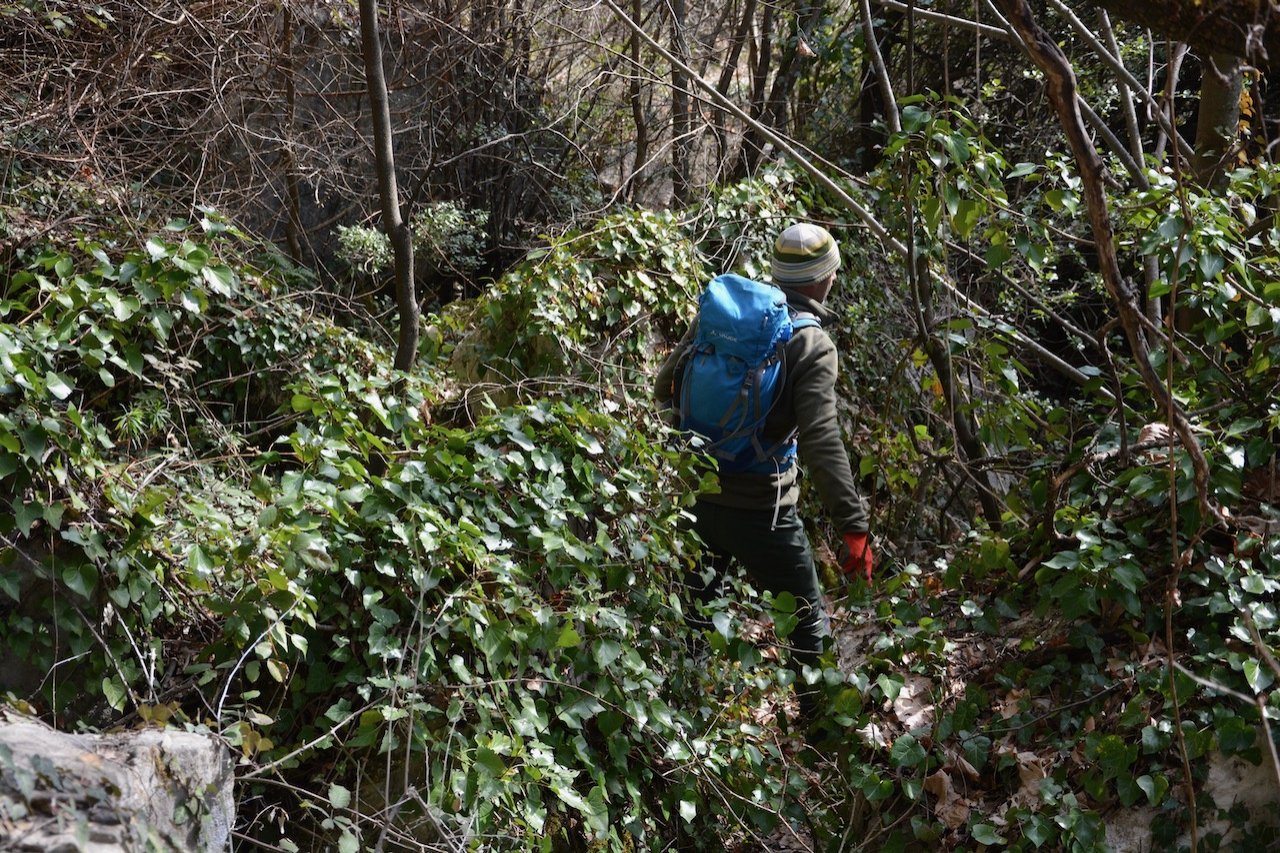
point(951, 809)
point(874, 734)
point(912, 707)
point(1011, 705)
point(957, 761)
point(939, 784)
point(1031, 769)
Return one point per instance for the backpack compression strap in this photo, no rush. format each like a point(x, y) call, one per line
point(799, 320)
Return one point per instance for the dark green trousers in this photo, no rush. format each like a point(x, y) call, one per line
point(777, 558)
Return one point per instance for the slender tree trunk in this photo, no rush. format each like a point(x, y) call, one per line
point(727, 72)
point(392, 220)
point(681, 123)
point(773, 109)
point(784, 82)
point(637, 111)
point(1169, 133)
point(752, 142)
point(1218, 121)
point(293, 193)
point(972, 452)
point(882, 71)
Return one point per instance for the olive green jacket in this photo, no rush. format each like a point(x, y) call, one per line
point(807, 401)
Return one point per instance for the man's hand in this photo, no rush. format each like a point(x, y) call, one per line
point(856, 555)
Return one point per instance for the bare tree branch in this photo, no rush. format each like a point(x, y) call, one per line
point(1044, 51)
point(882, 73)
point(1249, 29)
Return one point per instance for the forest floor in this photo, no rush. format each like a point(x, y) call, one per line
point(956, 793)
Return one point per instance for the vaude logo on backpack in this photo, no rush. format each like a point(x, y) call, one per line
point(732, 371)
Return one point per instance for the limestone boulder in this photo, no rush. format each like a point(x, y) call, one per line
point(153, 789)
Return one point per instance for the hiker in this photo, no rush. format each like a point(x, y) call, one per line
point(753, 517)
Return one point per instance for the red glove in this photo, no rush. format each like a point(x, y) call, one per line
point(857, 555)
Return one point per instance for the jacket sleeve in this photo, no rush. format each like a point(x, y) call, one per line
point(821, 448)
point(664, 382)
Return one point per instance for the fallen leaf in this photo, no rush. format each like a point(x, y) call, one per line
point(951, 809)
point(912, 706)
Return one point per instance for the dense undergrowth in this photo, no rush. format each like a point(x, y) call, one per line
point(442, 610)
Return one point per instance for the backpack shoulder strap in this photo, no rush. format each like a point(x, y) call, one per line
point(803, 319)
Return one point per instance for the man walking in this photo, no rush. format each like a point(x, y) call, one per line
point(753, 518)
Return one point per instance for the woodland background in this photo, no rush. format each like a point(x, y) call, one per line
point(326, 332)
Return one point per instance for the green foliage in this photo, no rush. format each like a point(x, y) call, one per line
point(448, 239)
point(595, 304)
point(365, 249)
point(1109, 534)
point(588, 306)
point(225, 513)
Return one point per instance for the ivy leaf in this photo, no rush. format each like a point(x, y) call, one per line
point(198, 561)
point(889, 685)
point(25, 515)
point(907, 752)
point(588, 443)
point(967, 216)
point(82, 579)
point(339, 797)
point(157, 249)
point(58, 386)
point(1154, 740)
point(1114, 756)
point(677, 751)
point(984, 833)
point(114, 692)
point(1038, 830)
point(607, 651)
point(219, 278)
point(569, 638)
point(1155, 787)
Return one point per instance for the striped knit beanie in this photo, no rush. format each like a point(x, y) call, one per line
point(803, 254)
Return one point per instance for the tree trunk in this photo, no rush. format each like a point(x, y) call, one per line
point(1218, 121)
point(882, 71)
point(727, 72)
point(637, 112)
point(752, 141)
point(681, 123)
point(392, 220)
point(972, 452)
point(293, 197)
point(772, 110)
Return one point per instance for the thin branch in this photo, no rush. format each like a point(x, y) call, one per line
point(1113, 62)
point(809, 164)
point(882, 73)
point(948, 20)
point(1062, 91)
point(1123, 90)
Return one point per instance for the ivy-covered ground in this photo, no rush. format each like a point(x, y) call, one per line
point(441, 610)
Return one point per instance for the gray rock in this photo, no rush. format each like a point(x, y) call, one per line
point(152, 789)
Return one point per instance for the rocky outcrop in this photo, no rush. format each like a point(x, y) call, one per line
point(153, 789)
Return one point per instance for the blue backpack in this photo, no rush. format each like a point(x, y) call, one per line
point(733, 370)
